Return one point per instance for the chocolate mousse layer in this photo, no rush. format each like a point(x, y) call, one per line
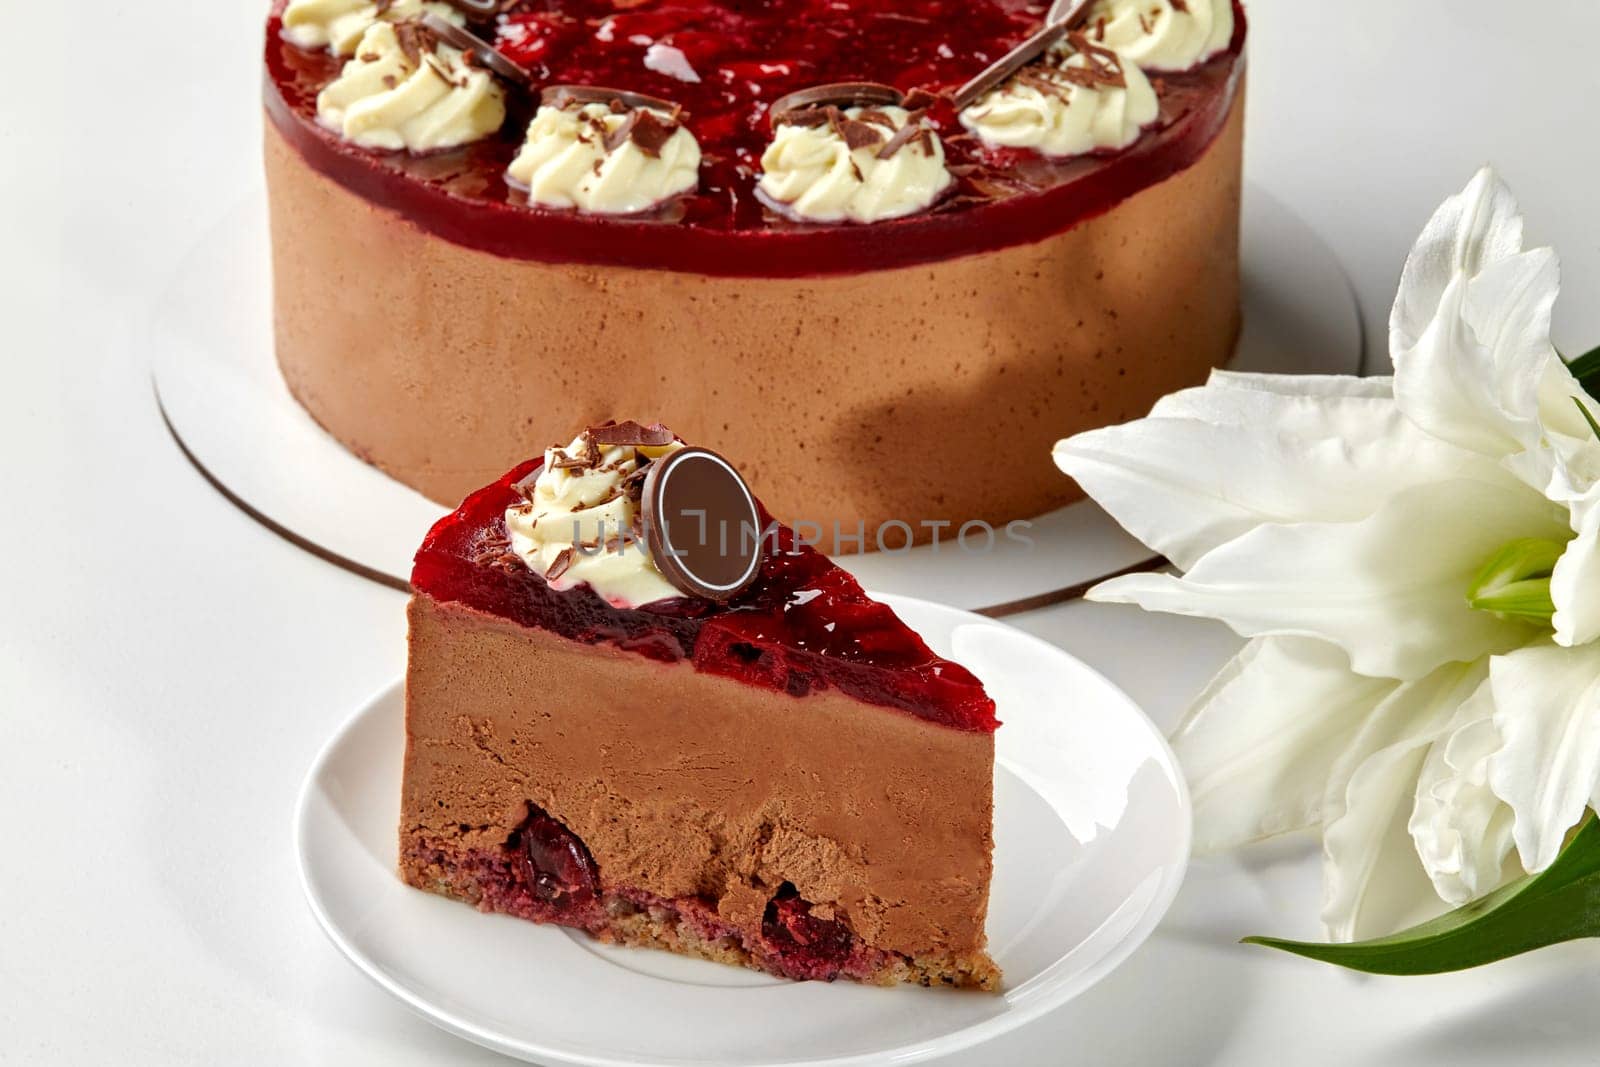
point(924, 393)
point(812, 836)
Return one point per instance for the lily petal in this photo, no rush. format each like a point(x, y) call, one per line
point(1259, 742)
point(1557, 412)
point(1508, 308)
point(1398, 893)
point(1575, 585)
point(1479, 226)
point(1470, 330)
point(1564, 462)
point(1446, 383)
point(1461, 829)
point(1570, 467)
point(1547, 711)
point(1390, 590)
point(1215, 463)
point(1371, 786)
point(1205, 402)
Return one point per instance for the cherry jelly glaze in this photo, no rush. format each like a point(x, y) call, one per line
point(804, 626)
point(747, 53)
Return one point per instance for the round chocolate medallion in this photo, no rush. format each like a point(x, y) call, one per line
point(1000, 71)
point(560, 96)
point(701, 524)
point(835, 94)
point(471, 44)
point(476, 9)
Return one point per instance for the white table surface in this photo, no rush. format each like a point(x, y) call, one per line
point(168, 669)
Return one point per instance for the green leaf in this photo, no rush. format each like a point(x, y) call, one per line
point(1560, 904)
point(1586, 368)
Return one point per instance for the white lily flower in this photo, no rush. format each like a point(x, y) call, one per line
point(1547, 708)
point(1462, 831)
point(1417, 562)
point(1376, 783)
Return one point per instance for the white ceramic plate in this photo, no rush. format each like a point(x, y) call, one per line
point(210, 345)
point(1092, 829)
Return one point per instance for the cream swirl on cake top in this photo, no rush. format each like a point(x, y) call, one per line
point(1082, 98)
point(406, 89)
point(859, 164)
point(606, 159)
point(339, 25)
point(1163, 35)
point(581, 519)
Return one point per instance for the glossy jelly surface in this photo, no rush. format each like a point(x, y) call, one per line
point(744, 54)
point(805, 625)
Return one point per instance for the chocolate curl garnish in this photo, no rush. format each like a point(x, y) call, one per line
point(589, 457)
point(562, 96)
point(647, 132)
point(912, 131)
point(415, 40)
point(561, 564)
point(630, 434)
point(833, 95)
point(477, 49)
point(997, 73)
point(861, 134)
point(871, 128)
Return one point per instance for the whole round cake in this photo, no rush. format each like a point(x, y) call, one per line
point(879, 253)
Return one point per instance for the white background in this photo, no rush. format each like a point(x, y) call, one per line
point(168, 669)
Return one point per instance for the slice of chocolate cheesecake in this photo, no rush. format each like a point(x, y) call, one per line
point(637, 706)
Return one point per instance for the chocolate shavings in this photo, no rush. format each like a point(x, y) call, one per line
point(1104, 69)
point(416, 40)
point(589, 457)
point(860, 134)
point(561, 564)
point(648, 132)
point(912, 132)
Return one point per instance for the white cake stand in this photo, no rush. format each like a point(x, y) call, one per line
point(217, 386)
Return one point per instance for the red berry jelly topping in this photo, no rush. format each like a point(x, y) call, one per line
point(804, 626)
point(744, 54)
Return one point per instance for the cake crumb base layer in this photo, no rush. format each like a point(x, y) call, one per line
point(491, 882)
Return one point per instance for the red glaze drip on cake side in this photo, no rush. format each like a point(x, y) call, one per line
point(746, 60)
point(803, 626)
